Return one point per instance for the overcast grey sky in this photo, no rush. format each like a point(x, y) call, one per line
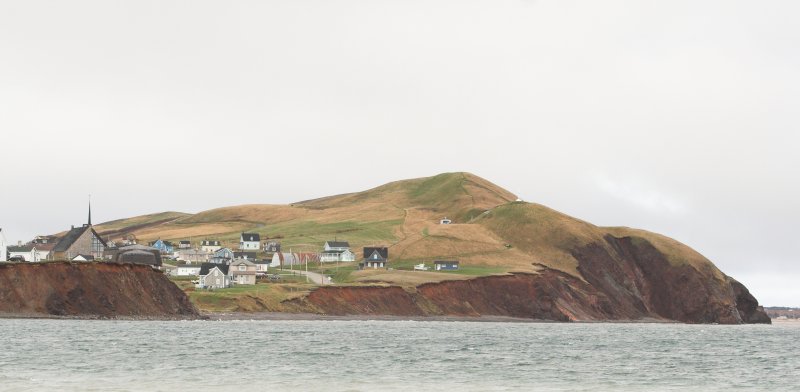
point(679, 117)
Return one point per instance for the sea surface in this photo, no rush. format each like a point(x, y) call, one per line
point(80, 355)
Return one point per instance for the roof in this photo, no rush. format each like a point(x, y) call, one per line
point(23, 248)
point(241, 261)
point(185, 242)
point(76, 232)
point(206, 267)
point(334, 251)
point(187, 266)
point(210, 243)
point(382, 250)
point(338, 244)
point(445, 262)
point(244, 255)
point(85, 257)
point(375, 256)
point(251, 237)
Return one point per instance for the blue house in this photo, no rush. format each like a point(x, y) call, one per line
point(163, 246)
point(441, 265)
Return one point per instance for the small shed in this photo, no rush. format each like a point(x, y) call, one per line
point(444, 265)
point(445, 221)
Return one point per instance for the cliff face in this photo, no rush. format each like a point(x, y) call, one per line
point(625, 279)
point(90, 290)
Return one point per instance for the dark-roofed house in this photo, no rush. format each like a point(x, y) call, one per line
point(244, 255)
point(335, 251)
point(443, 265)
point(210, 246)
point(272, 247)
point(185, 244)
point(213, 276)
point(79, 241)
point(375, 257)
point(250, 241)
point(336, 245)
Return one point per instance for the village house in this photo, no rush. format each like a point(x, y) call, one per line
point(272, 247)
point(221, 256)
point(442, 265)
point(262, 267)
point(244, 255)
point(250, 241)
point(29, 252)
point(445, 221)
point(185, 244)
point(242, 271)
point(3, 245)
point(336, 251)
point(210, 246)
point(192, 256)
point(213, 276)
point(375, 257)
point(165, 247)
point(186, 270)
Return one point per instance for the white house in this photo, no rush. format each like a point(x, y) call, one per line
point(336, 245)
point(250, 241)
point(3, 250)
point(186, 270)
point(445, 221)
point(330, 256)
point(210, 246)
point(334, 251)
point(29, 252)
point(262, 267)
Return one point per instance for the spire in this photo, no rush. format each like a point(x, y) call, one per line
point(90, 210)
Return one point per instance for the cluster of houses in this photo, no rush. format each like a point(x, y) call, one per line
point(214, 266)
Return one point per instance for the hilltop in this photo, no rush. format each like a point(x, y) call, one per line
point(563, 267)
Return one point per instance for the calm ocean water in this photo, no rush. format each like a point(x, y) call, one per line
point(58, 355)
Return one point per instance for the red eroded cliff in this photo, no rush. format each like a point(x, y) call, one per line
point(104, 290)
point(625, 279)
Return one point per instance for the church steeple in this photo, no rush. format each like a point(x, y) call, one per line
point(90, 211)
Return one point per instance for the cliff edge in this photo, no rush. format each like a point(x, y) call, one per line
point(102, 290)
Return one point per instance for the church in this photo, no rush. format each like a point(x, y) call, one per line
point(80, 241)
